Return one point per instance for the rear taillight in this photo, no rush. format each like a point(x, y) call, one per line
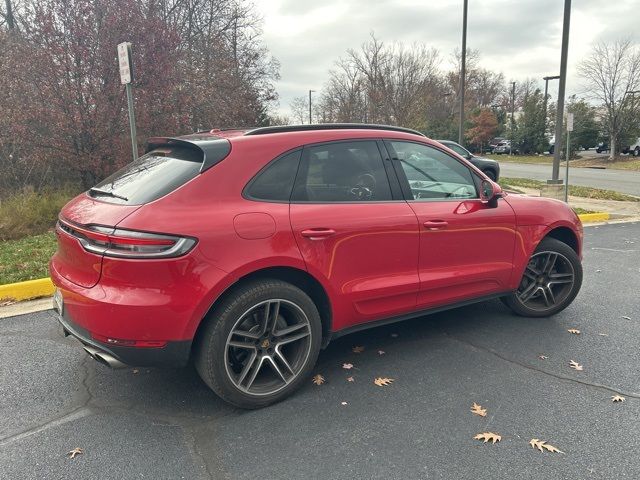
point(117, 242)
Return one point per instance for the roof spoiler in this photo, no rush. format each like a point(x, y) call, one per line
point(213, 150)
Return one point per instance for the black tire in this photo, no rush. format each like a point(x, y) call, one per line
point(636, 152)
point(213, 354)
point(490, 173)
point(537, 305)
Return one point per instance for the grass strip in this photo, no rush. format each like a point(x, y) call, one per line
point(26, 258)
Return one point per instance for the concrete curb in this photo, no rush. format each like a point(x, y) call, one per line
point(44, 288)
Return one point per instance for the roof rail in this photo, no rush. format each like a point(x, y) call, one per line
point(329, 126)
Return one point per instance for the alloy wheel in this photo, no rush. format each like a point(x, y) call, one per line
point(267, 347)
point(547, 281)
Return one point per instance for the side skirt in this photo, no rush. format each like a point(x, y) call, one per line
point(408, 316)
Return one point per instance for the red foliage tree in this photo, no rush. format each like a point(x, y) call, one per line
point(484, 127)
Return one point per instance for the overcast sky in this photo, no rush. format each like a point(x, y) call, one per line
point(520, 38)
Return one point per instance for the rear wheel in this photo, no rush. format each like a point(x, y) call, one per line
point(551, 281)
point(259, 344)
point(636, 152)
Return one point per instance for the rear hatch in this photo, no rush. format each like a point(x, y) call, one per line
point(86, 228)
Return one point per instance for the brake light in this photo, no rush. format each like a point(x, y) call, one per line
point(117, 242)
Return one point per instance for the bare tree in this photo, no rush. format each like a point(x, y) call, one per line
point(609, 72)
point(299, 108)
point(381, 84)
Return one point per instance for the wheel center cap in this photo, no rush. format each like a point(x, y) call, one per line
point(265, 343)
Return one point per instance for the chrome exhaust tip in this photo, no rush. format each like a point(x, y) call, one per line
point(103, 357)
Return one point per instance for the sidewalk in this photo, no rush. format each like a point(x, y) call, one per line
point(616, 208)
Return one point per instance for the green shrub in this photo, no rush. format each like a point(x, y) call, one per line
point(31, 213)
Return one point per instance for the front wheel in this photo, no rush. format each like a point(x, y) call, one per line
point(636, 152)
point(259, 344)
point(550, 282)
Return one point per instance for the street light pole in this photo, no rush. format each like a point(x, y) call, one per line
point(513, 104)
point(561, 89)
point(463, 71)
point(310, 92)
point(546, 94)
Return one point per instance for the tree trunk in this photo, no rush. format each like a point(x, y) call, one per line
point(612, 147)
point(10, 20)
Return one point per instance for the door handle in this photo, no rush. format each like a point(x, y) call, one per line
point(317, 233)
point(435, 224)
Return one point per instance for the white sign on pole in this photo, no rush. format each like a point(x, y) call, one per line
point(124, 61)
point(569, 122)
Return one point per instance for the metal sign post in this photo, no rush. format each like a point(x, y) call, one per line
point(126, 76)
point(566, 174)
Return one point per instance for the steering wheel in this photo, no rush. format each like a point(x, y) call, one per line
point(364, 187)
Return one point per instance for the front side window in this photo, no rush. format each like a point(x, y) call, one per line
point(342, 172)
point(432, 174)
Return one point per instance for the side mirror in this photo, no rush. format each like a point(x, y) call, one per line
point(490, 192)
point(469, 156)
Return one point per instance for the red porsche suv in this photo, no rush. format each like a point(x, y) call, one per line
point(249, 250)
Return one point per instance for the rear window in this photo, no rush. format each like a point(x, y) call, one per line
point(151, 176)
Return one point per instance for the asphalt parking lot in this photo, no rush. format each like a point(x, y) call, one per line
point(166, 424)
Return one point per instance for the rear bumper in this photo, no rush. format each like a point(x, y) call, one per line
point(173, 354)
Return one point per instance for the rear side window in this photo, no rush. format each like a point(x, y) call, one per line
point(151, 176)
point(342, 172)
point(275, 182)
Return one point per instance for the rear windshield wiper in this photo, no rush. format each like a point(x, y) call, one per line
point(107, 193)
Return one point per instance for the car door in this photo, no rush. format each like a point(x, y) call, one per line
point(355, 231)
point(466, 246)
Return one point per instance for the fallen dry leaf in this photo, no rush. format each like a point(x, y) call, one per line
point(344, 403)
point(575, 331)
point(135, 370)
point(542, 444)
point(603, 334)
point(617, 398)
point(358, 349)
point(318, 379)
point(478, 410)
point(383, 381)
point(7, 303)
point(350, 379)
point(381, 352)
point(74, 452)
point(347, 366)
point(575, 365)
point(488, 437)
point(542, 357)
point(626, 318)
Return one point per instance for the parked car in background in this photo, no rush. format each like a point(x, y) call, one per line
point(504, 147)
point(493, 143)
point(247, 251)
point(491, 168)
point(602, 147)
point(633, 149)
